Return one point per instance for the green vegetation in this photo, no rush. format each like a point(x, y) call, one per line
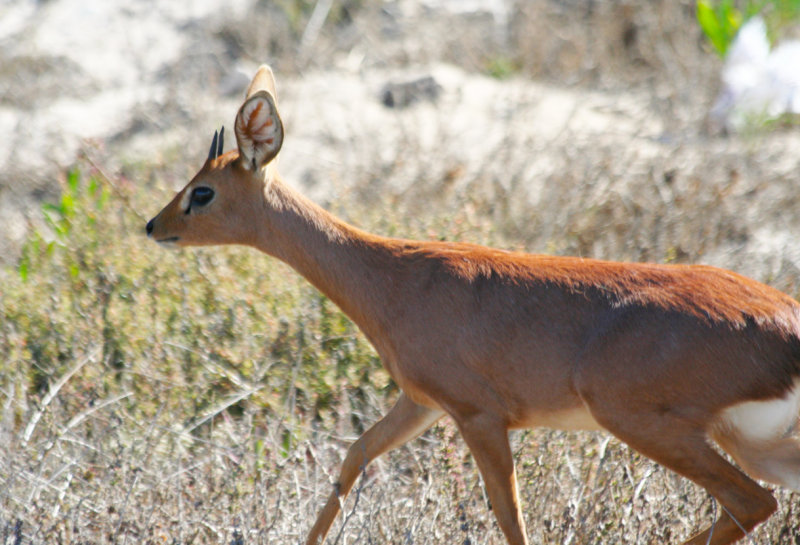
point(720, 20)
point(209, 395)
point(501, 67)
point(234, 318)
point(100, 328)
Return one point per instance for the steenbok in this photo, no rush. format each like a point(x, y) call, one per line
point(664, 357)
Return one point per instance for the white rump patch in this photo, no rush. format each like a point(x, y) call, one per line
point(760, 436)
point(765, 420)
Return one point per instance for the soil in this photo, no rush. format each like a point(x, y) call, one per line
point(577, 126)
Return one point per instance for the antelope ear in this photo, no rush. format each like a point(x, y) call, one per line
point(263, 80)
point(259, 130)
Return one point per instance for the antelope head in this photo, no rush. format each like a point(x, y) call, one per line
point(221, 204)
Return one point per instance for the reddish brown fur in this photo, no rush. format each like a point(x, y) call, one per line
point(498, 340)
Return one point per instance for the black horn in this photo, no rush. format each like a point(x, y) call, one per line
point(212, 153)
point(221, 140)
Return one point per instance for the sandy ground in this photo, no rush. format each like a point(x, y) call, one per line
point(150, 81)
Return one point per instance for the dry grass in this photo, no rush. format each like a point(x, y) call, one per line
point(209, 396)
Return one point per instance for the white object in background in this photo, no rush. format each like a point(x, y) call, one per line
point(757, 85)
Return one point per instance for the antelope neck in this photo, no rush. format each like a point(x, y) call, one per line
point(342, 262)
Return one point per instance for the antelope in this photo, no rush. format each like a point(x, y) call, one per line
point(666, 358)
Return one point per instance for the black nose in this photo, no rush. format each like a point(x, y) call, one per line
point(149, 228)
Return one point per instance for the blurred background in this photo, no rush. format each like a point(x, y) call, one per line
point(579, 114)
point(208, 396)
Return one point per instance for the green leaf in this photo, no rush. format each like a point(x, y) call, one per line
point(733, 20)
point(68, 205)
point(51, 208)
point(721, 22)
point(709, 23)
point(259, 454)
point(73, 180)
point(24, 267)
point(103, 198)
point(286, 444)
point(52, 216)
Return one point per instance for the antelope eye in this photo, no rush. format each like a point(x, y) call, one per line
point(201, 196)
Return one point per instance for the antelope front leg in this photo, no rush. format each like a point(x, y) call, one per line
point(405, 421)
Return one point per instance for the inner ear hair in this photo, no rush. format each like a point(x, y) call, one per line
point(259, 130)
